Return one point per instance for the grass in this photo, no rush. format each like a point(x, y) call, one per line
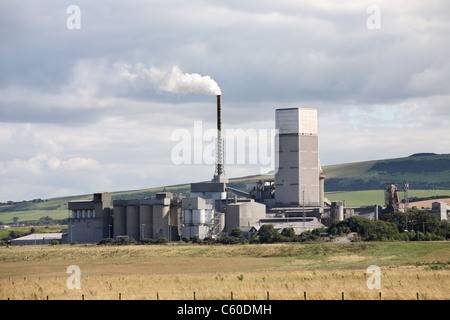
point(4, 232)
point(175, 271)
point(376, 197)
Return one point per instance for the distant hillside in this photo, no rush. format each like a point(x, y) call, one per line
point(422, 171)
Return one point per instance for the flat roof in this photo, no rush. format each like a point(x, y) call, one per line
point(41, 236)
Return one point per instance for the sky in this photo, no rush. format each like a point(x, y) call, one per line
point(103, 95)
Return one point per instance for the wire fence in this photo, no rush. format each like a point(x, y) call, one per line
point(54, 288)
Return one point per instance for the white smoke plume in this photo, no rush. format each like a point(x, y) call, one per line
point(175, 81)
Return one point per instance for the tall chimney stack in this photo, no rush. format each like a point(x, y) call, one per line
point(219, 175)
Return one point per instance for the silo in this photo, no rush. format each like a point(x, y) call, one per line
point(160, 221)
point(119, 220)
point(133, 221)
point(209, 216)
point(198, 217)
point(187, 217)
point(146, 221)
point(221, 222)
point(337, 210)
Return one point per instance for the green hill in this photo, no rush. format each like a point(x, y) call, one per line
point(422, 171)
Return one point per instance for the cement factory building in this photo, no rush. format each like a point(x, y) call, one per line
point(294, 199)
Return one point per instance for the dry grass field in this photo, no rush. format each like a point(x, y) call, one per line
point(409, 270)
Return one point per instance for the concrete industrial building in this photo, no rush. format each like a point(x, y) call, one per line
point(90, 220)
point(155, 218)
point(440, 210)
point(294, 199)
point(212, 208)
point(298, 168)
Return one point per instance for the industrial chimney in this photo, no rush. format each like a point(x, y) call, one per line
point(219, 174)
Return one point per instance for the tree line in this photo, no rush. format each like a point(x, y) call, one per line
point(415, 225)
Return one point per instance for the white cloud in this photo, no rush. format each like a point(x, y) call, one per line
point(79, 111)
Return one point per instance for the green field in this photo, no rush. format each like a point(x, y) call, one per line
point(421, 171)
point(376, 197)
point(175, 271)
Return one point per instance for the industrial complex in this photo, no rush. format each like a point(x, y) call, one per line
point(295, 198)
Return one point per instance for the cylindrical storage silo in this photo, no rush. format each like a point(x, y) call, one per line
point(160, 221)
point(221, 222)
point(187, 217)
point(198, 217)
point(146, 221)
point(119, 221)
point(340, 212)
point(209, 215)
point(133, 222)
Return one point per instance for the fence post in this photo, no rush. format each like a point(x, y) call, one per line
point(380, 295)
point(342, 295)
point(268, 295)
point(231, 295)
point(194, 295)
point(304, 295)
point(157, 296)
point(120, 296)
point(417, 294)
point(82, 296)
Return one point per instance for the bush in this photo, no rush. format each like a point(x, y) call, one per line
point(106, 241)
point(268, 234)
point(161, 241)
point(308, 236)
point(153, 241)
point(236, 233)
point(208, 240)
point(231, 240)
point(289, 233)
point(196, 239)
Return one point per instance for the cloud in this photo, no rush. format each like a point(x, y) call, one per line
point(86, 103)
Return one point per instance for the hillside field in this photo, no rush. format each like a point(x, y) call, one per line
point(285, 271)
point(376, 197)
point(359, 184)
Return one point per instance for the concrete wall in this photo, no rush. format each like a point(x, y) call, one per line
point(161, 221)
point(90, 220)
point(146, 221)
point(439, 209)
point(120, 220)
point(132, 223)
point(243, 214)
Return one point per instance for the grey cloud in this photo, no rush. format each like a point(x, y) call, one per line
point(263, 54)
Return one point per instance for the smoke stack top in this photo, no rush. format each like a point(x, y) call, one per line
point(175, 81)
